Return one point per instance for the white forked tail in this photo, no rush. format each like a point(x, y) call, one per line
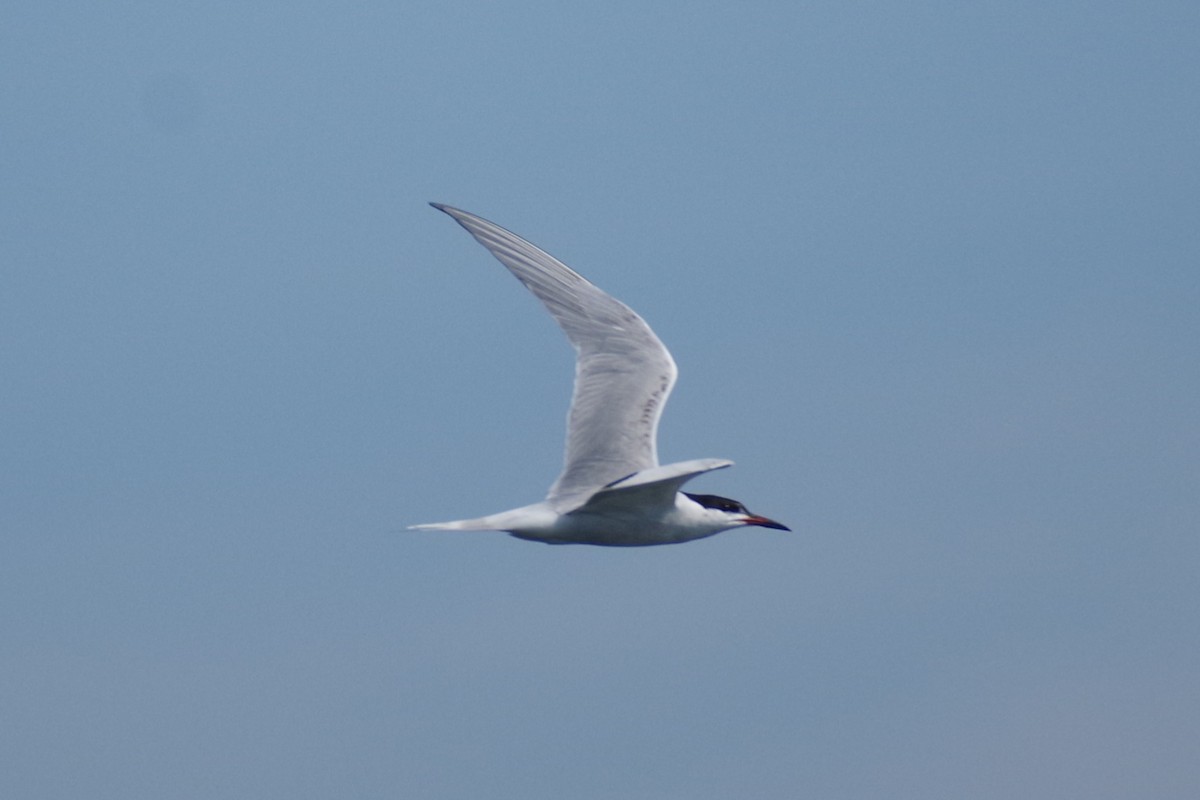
point(526, 517)
point(481, 524)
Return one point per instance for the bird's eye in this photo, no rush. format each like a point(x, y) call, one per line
point(719, 503)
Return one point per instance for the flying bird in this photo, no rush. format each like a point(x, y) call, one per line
point(612, 490)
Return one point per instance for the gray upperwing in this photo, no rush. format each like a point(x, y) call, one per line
point(651, 488)
point(623, 373)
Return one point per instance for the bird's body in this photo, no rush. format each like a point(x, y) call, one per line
point(612, 491)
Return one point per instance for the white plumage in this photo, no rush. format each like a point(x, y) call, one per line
point(612, 490)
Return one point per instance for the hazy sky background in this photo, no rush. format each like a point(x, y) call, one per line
point(931, 272)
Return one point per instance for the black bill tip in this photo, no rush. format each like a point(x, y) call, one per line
point(763, 522)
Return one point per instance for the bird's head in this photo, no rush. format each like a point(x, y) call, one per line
point(733, 512)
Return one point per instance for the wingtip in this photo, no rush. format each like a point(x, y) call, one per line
point(456, 214)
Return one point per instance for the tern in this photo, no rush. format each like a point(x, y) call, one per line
point(612, 491)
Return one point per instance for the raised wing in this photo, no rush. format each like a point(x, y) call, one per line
point(623, 373)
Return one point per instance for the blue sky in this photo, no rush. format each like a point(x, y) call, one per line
point(930, 275)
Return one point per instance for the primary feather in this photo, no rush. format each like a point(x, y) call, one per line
point(623, 373)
